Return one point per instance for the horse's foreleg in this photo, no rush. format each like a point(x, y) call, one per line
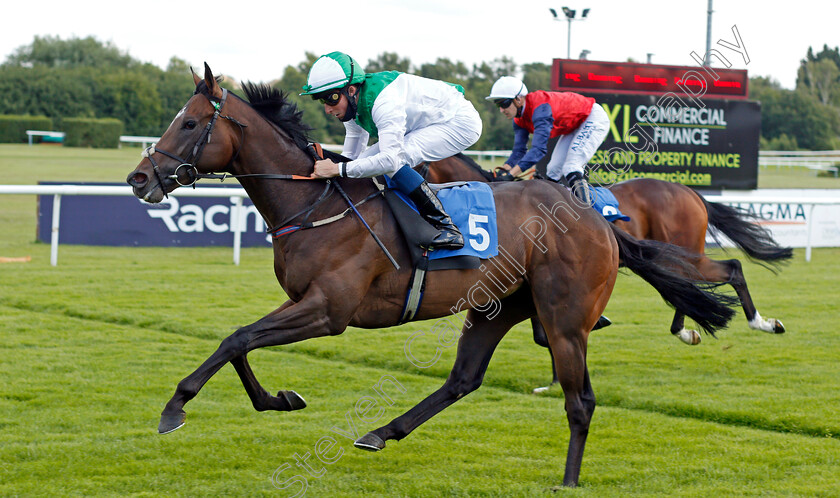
point(260, 398)
point(475, 348)
point(289, 323)
point(285, 401)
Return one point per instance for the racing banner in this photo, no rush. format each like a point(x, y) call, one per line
point(700, 143)
point(128, 221)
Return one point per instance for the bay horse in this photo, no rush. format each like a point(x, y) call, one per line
point(673, 213)
point(339, 277)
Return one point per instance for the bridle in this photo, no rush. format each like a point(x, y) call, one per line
point(191, 160)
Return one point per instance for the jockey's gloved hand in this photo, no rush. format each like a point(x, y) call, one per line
point(503, 175)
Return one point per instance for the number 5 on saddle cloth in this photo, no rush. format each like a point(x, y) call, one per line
point(471, 207)
point(473, 210)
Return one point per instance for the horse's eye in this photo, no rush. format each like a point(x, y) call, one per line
point(190, 124)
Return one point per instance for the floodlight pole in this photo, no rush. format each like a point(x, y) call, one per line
point(569, 39)
point(570, 16)
point(709, 35)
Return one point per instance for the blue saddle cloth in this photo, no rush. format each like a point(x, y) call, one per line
point(605, 203)
point(473, 210)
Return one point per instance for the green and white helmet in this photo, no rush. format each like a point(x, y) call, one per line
point(331, 71)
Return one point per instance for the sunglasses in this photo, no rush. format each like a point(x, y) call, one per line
point(330, 99)
point(503, 103)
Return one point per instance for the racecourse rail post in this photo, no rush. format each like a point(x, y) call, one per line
point(810, 229)
point(237, 221)
point(56, 216)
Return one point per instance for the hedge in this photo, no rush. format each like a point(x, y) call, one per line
point(88, 132)
point(13, 128)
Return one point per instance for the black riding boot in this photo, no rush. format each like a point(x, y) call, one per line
point(432, 210)
point(579, 187)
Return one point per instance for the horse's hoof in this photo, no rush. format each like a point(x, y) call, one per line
point(690, 337)
point(771, 325)
point(295, 401)
point(170, 423)
point(540, 390)
point(369, 442)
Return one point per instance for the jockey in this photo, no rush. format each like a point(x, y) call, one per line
point(415, 120)
point(579, 121)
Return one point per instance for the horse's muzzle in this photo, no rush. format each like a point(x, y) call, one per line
point(137, 179)
point(144, 188)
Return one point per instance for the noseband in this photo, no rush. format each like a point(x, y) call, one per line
point(191, 160)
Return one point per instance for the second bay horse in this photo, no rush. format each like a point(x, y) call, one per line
point(673, 213)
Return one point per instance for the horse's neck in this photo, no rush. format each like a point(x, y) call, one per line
point(276, 199)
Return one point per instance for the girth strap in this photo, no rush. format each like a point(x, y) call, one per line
point(416, 287)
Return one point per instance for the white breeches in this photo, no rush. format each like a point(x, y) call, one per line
point(437, 141)
point(574, 150)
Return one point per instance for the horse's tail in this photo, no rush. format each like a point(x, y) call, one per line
point(741, 228)
point(665, 267)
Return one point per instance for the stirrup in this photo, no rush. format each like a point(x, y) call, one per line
point(582, 192)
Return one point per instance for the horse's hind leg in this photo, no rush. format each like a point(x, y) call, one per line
point(727, 271)
point(688, 336)
point(568, 336)
point(737, 280)
point(475, 348)
point(580, 402)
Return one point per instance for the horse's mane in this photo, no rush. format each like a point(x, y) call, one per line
point(273, 105)
point(470, 162)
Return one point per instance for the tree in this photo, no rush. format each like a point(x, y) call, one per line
point(76, 52)
point(131, 98)
point(46, 92)
point(388, 61)
point(537, 76)
point(798, 115)
point(820, 75)
point(445, 70)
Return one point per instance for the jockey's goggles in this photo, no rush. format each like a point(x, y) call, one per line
point(331, 98)
point(503, 103)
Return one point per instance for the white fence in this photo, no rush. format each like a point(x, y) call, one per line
point(820, 160)
point(57, 191)
point(146, 141)
point(42, 133)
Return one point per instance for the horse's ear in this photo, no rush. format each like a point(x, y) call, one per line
point(196, 79)
point(212, 86)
